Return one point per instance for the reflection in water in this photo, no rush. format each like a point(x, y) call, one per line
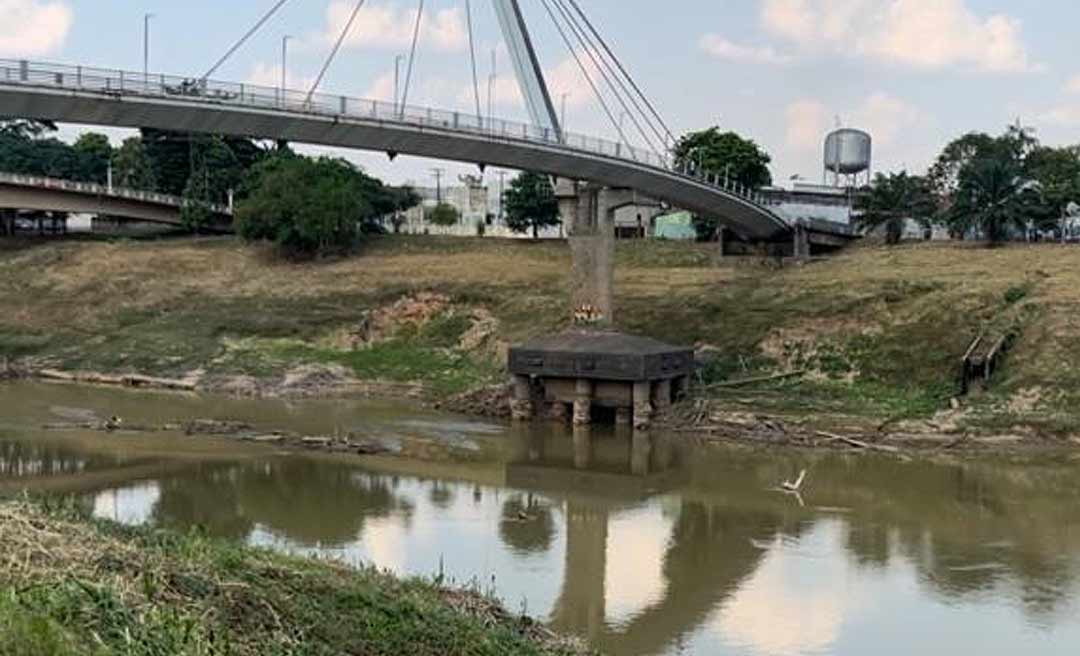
point(640, 544)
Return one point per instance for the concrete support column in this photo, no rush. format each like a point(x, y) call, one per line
point(521, 403)
point(624, 416)
point(642, 404)
point(590, 225)
point(681, 386)
point(583, 398)
point(721, 241)
point(662, 395)
point(557, 411)
point(802, 243)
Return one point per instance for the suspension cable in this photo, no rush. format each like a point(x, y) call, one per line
point(236, 46)
point(472, 55)
point(622, 69)
point(412, 56)
point(334, 51)
point(584, 70)
point(602, 68)
point(611, 74)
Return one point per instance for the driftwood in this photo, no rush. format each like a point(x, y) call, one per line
point(125, 380)
point(858, 444)
point(755, 380)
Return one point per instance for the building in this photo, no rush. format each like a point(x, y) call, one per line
point(807, 203)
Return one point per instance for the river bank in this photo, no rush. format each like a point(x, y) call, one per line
point(81, 586)
point(874, 337)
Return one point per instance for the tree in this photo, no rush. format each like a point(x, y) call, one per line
point(443, 214)
point(893, 199)
point(530, 204)
point(195, 213)
point(1057, 173)
point(131, 167)
point(94, 154)
point(308, 206)
point(993, 196)
point(724, 154)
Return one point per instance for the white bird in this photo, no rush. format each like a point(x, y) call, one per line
point(794, 487)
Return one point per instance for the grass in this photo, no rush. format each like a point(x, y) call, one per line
point(73, 586)
point(881, 331)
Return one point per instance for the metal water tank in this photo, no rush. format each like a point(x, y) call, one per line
point(847, 151)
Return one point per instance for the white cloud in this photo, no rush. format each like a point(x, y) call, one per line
point(885, 117)
point(390, 26)
point(807, 122)
point(382, 88)
point(31, 27)
point(565, 77)
point(1073, 85)
point(1063, 116)
point(718, 46)
point(269, 75)
point(924, 34)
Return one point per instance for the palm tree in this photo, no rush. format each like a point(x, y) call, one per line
point(892, 200)
point(993, 196)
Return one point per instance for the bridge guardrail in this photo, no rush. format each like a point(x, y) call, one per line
point(92, 188)
point(155, 85)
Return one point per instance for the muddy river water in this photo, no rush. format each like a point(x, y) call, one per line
point(640, 543)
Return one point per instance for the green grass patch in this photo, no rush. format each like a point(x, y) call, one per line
point(103, 589)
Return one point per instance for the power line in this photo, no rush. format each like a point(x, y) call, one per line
point(622, 69)
point(334, 51)
point(243, 39)
point(412, 55)
point(584, 70)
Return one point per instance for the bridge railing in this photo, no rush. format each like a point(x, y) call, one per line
point(94, 189)
point(155, 85)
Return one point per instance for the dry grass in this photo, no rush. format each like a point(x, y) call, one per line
point(883, 329)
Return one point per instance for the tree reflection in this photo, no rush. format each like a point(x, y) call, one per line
point(526, 527)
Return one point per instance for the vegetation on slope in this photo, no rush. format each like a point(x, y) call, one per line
point(880, 332)
point(71, 586)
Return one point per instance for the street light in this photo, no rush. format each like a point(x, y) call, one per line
point(146, 47)
point(284, 65)
point(562, 118)
point(397, 79)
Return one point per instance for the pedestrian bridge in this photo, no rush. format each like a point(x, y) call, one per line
point(24, 192)
point(78, 94)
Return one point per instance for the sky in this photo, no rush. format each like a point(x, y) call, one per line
point(913, 73)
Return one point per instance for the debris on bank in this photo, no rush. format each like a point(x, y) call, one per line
point(244, 432)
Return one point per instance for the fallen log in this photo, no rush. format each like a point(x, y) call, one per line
point(858, 444)
point(758, 379)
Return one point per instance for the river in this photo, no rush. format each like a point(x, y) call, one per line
point(640, 543)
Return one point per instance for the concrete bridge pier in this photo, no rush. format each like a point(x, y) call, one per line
point(7, 223)
point(588, 211)
point(801, 249)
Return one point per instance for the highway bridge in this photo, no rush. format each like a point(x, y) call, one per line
point(96, 96)
point(24, 192)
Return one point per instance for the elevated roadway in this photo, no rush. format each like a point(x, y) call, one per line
point(24, 192)
point(95, 96)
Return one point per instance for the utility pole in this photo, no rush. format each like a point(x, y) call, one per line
point(284, 66)
point(438, 184)
point(491, 87)
point(146, 47)
point(502, 190)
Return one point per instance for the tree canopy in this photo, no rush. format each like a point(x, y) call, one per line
point(725, 154)
point(311, 206)
point(893, 199)
point(26, 147)
point(529, 203)
point(443, 214)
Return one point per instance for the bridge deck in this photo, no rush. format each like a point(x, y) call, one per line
point(118, 98)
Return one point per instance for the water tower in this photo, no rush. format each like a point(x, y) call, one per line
point(848, 157)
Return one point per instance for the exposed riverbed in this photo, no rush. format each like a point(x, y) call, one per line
point(640, 543)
